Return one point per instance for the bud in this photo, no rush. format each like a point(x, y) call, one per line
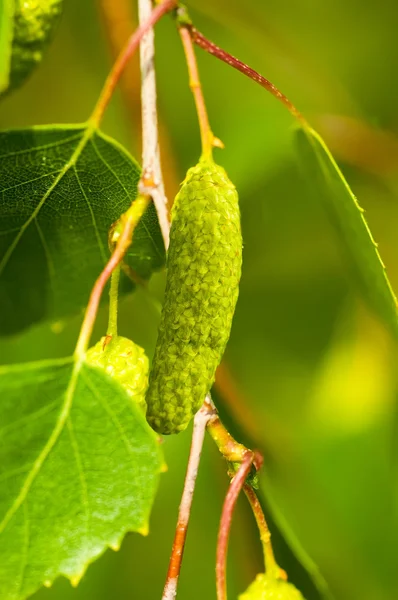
point(126, 362)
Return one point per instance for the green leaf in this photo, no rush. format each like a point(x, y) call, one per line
point(6, 34)
point(61, 190)
point(79, 468)
point(343, 206)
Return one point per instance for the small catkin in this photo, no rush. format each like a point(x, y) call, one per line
point(34, 24)
point(265, 587)
point(126, 362)
point(203, 272)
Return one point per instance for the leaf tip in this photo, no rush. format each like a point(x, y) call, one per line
point(144, 530)
point(76, 579)
point(115, 546)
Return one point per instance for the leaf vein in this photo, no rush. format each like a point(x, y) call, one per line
point(25, 553)
point(90, 208)
point(82, 478)
point(37, 465)
point(111, 413)
point(76, 153)
point(56, 144)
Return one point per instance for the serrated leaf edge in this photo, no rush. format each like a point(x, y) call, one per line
point(312, 134)
point(114, 544)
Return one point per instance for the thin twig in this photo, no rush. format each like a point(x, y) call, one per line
point(113, 302)
point(225, 523)
point(119, 22)
point(119, 19)
point(152, 179)
point(232, 450)
point(201, 41)
point(199, 427)
point(125, 55)
point(130, 219)
point(206, 135)
point(271, 566)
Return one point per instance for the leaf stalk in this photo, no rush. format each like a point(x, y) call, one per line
point(128, 223)
point(231, 498)
point(200, 40)
point(208, 140)
point(124, 56)
point(271, 566)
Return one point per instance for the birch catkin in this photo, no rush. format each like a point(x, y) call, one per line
point(34, 24)
point(203, 272)
point(266, 587)
point(126, 362)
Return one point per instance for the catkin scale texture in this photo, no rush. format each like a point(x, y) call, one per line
point(34, 25)
point(203, 272)
point(124, 361)
point(265, 587)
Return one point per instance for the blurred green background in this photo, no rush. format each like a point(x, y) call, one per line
point(312, 371)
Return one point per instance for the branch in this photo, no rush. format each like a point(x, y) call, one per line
point(128, 223)
point(206, 135)
point(125, 55)
point(221, 54)
point(231, 450)
point(235, 487)
point(130, 219)
point(152, 179)
point(119, 22)
point(271, 566)
point(199, 427)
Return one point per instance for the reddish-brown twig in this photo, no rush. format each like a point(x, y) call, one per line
point(125, 55)
point(235, 487)
point(129, 221)
point(201, 41)
point(201, 419)
point(131, 218)
point(119, 23)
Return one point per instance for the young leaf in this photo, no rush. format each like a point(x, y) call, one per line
point(6, 34)
point(343, 206)
point(61, 190)
point(79, 468)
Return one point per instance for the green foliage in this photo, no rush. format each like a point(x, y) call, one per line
point(6, 34)
point(61, 190)
point(33, 27)
point(79, 468)
point(204, 268)
point(313, 374)
point(126, 362)
point(332, 188)
point(268, 588)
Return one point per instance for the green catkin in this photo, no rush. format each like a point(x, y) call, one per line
point(34, 24)
point(203, 272)
point(126, 362)
point(265, 587)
